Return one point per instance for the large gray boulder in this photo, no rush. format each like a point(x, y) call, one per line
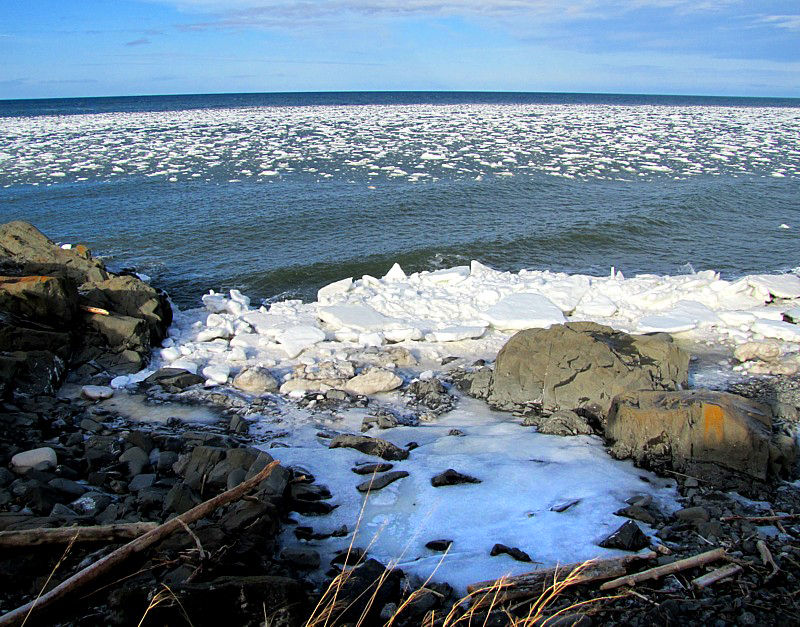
point(703, 433)
point(583, 365)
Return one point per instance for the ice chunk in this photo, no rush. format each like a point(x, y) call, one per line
point(448, 276)
point(297, 339)
point(736, 318)
point(213, 333)
point(778, 330)
point(339, 287)
point(170, 354)
point(248, 340)
point(778, 285)
point(217, 373)
point(695, 311)
point(358, 317)
point(395, 274)
point(370, 339)
point(523, 310)
point(267, 323)
point(215, 303)
point(401, 335)
point(455, 334)
point(184, 364)
point(567, 293)
point(596, 304)
point(665, 324)
point(238, 297)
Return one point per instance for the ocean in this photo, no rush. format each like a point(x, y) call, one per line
point(279, 194)
point(461, 218)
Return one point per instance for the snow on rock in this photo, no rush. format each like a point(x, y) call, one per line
point(524, 310)
point(297, 339)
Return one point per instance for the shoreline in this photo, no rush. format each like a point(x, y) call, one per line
point(428, 399)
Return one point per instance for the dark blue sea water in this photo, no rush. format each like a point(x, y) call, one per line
point(278, 194)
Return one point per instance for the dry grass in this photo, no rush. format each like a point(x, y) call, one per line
point(475, 608)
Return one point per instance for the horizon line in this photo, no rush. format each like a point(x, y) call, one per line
point(404, 91)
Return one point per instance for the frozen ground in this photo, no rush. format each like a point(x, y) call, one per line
point(467, 313)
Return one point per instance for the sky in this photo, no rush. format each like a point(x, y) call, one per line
point(74, 48)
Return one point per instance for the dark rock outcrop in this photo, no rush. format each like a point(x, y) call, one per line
point(62, 308)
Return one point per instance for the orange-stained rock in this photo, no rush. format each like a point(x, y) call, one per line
point(700, 432)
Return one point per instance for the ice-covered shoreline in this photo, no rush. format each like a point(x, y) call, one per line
point(419, 326)
point(468, 312)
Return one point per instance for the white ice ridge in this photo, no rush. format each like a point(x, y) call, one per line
point(417, 143)
point(470, 311)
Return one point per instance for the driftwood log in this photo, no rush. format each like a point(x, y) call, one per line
point(112, 560)
point(535, 582)
point(724, 572)
point(667, 569)
point(65, 535)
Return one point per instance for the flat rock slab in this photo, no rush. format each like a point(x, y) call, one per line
point(452, 477)
point(370, 468)
point(439, 545)
point(511, 551)
point(381, 481)
point(370, 446)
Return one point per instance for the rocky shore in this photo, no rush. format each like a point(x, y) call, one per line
point(68, 327)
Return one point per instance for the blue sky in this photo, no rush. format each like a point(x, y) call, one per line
point(64, 48)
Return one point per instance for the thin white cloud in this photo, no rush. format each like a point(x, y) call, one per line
point(788, 22)
point(142, 41)
point(278, 9)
